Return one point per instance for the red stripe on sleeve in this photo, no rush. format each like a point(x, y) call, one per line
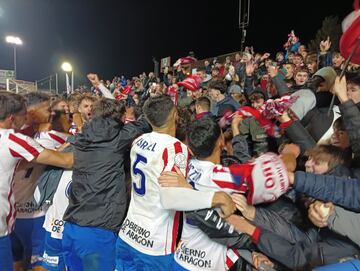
point(229, 263)
point(224, 184)
point(177, 147)
point(15, 154)
point(165, 158)
point(57, 138)
point(256, 236)
point(175, 231)
point(25, 145)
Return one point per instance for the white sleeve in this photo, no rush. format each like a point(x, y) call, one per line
point(185, 199)
point(22, 146)
point(105, 92)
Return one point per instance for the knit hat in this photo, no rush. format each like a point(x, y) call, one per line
point(191, 83)
point(305, 102)
point(328, 74)
point(235, 89)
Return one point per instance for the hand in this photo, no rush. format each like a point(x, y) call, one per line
point(319, 213)
point(224, 201)
point(94, 79)
point(272, 71)
point(260, 260)
point(340, 89)
point(265, 56)
point(291, 176)
point(248, 211)
point(325, 45)
point(252, 50)
point(250, 68)
point(291, 148)
point(235, 124)
point(173, 179)
point(241, 225)
point(63, 147)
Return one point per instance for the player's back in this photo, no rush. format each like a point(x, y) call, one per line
point(13, 148)
point(149, 227)
point(197, 251)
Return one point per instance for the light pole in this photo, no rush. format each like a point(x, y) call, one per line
point(66, 67)
point(14, 41)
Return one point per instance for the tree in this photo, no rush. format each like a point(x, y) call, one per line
point(330, 28)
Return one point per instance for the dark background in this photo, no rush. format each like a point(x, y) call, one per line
point(121, 37)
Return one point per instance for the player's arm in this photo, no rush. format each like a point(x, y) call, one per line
point(24, 147)
point(177, 194)
point(54, 158)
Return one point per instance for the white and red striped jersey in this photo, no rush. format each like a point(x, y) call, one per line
point(57, 137)
point(54, 222)
point(148, 227)
point(27, 176)
point(196, 250)
point(13, 148)
point(25, 181)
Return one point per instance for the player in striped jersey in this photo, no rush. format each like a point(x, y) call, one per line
point(28, 236)
point(13, 148)
point(148, 235)
point(196, 250)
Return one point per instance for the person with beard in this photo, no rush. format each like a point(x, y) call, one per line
point(85, 107)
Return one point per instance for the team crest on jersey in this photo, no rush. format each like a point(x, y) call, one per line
point(68, 189)
point(180, 160)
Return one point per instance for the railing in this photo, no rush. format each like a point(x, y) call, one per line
point(20, 86)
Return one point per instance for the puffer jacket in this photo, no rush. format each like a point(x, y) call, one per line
point(344, 192)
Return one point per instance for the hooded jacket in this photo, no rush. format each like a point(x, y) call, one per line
point(98, 194)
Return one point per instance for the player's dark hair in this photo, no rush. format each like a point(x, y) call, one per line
point(220, 85)
point(35, 98)
point(10, 103)
point(107, 108)
point(202, 137)
point(204, 103)
point(157, 110)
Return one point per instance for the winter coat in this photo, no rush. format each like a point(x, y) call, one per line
point(98, 195)
point(346, 223)
point(340, 191)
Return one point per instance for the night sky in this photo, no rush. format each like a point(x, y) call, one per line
point(120, 37)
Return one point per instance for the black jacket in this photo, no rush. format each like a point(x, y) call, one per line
point(98, 194)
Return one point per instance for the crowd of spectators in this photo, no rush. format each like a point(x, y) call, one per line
point(263, 103)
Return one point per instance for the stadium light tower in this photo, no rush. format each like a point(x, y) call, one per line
point(15, 41)
point(66, 67)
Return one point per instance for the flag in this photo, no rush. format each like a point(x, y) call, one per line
point(68, 87)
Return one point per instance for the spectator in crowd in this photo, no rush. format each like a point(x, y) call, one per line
point(207, 66)
point(236, 93)
point(202, 107)
point(217, 92)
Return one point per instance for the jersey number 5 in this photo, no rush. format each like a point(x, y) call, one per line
point(141, 189)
